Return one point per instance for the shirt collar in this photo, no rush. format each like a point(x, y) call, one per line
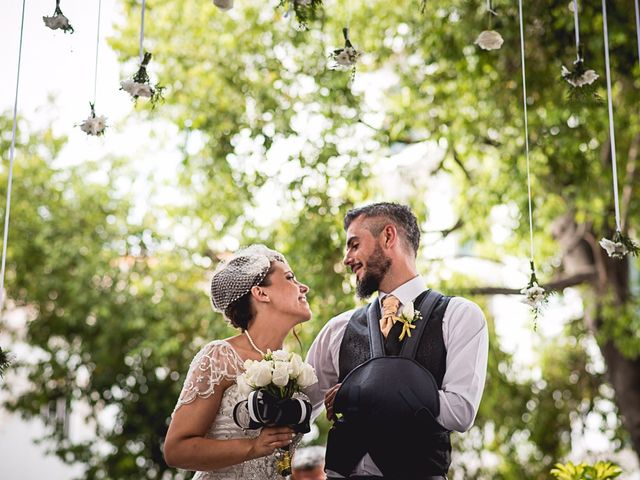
point(407, 292)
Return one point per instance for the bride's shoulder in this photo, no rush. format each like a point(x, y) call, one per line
point(217, 353)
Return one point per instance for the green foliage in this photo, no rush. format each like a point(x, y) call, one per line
point(117, 307)
point(583, 471)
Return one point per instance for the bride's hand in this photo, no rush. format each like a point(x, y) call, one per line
point(269, 439)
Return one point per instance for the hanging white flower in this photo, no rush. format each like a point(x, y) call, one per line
point(58, 20)
point(140, 85)
point(94, 125)
point(579, 77)
point(303, 3)
point(620, 246)
point(489, 40)
point(345, 58)
point(223, 4)
point(534, 295)
point(136, 89)
point(614, 249)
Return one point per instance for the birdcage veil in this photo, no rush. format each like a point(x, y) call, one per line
point(236, 276)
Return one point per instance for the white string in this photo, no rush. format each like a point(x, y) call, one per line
point(577, 27)
point(611, 125)
point(526, 125)
point(95, 75)
point(142, 31)
point(638, 28)
point(5, 237)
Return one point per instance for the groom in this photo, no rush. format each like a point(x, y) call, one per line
point(382, 244)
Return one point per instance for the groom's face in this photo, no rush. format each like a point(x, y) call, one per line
point(365, 257)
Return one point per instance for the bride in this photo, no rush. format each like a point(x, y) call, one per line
point(259, 294)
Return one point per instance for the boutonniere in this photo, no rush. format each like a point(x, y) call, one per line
point(408, 317)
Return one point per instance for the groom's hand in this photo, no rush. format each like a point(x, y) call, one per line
point(329, 397)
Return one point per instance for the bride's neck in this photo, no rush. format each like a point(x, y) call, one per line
point(265, 337)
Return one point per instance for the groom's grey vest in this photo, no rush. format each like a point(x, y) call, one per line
point(430, 456)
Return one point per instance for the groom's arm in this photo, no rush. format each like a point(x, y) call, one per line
point(466, 339)
point(324, 358)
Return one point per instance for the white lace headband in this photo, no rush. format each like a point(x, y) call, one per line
point(235, 277)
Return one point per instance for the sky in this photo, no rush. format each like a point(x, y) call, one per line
point(56, 86)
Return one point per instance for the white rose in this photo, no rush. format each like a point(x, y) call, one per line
point(307, 376)
point(223, 4)
point(304, 3)
point(408, 311)
point(243, 387)
point(280, 356)
point(259, 373)
point(295, 365)
point(281, 373)
point(489, 40)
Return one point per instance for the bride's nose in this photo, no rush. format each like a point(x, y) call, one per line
point(303, 288)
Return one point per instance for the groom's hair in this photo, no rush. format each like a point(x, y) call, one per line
point(400, 215)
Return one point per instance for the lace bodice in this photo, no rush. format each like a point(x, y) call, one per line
point(213, 363)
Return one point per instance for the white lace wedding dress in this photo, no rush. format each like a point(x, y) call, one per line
point(213, 363)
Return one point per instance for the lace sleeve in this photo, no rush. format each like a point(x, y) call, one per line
point(215, 362)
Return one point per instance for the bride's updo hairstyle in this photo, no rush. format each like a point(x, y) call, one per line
point(233, 280)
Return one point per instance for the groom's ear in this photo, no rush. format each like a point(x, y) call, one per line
point(259, 294)
point(389, 235)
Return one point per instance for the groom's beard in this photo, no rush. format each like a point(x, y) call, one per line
point(377, 267)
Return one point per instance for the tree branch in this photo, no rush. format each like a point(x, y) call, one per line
point(555, 286)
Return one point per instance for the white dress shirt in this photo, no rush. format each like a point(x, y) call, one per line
point(466, 340)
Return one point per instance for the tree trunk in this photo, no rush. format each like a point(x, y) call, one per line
point(581, 252)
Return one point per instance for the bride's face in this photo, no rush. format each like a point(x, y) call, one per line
point(286, 294)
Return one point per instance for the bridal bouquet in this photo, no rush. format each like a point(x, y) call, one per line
point(271, 385)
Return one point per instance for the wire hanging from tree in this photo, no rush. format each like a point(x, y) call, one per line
point(535, 296)
point(12, 149)
point(620, 245)
point(95, 125)
point(140, 85)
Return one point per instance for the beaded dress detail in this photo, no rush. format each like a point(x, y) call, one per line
point(215, 362)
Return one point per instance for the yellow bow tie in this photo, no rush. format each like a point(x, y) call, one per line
point(390, 306)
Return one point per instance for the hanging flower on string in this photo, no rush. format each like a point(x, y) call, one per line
point(345, 58)
point(489, 39)
point(580, 78)
point(58, 20)
point(581, 81)
point(304, 10)
point(535, 296)
point(94, 125)
point(620, 246)
point(140, 85)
